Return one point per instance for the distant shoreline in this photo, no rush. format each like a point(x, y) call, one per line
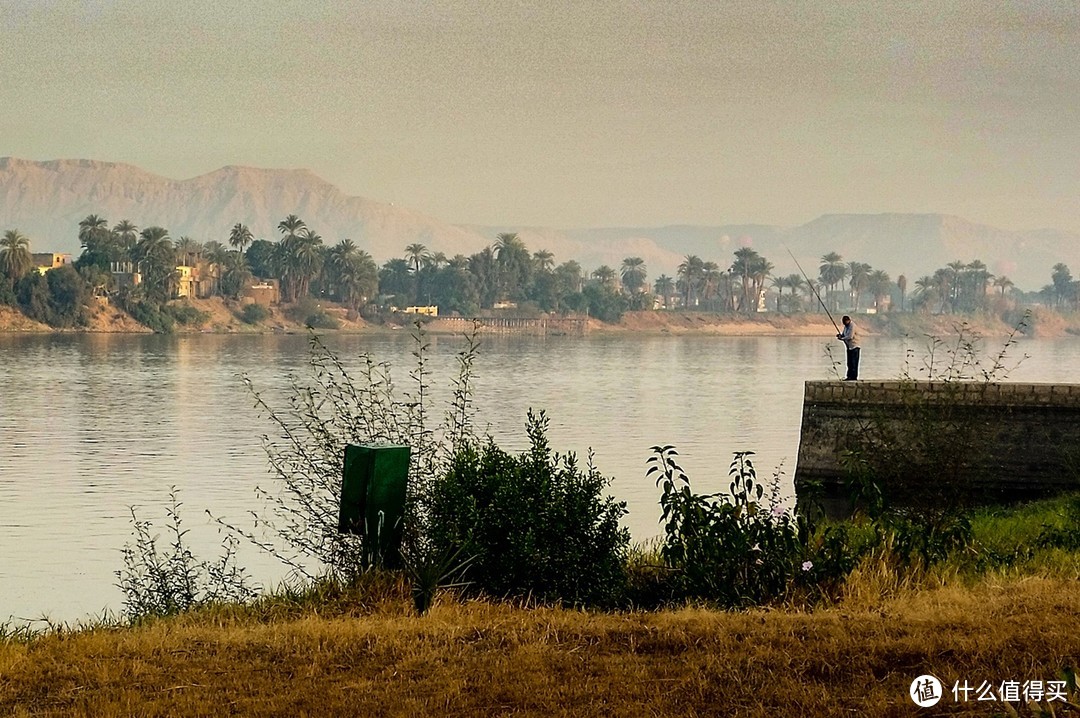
point(220, 319)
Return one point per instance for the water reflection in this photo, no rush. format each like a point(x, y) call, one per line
point(92, 425)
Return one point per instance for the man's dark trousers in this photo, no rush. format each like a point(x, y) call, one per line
point(853, 364)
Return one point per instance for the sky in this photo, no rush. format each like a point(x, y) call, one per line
point(580, 113)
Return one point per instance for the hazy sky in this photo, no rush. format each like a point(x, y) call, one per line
point(572, 113)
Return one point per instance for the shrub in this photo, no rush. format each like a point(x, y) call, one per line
point(299, 525)
point(309, 313)
point(254, 313)
point(732, 549)
point(57, 298)
point(32, 292)
point(150, 314)
point(163, 582)
point(69, 295)
point(185, 314)
point(533, 525)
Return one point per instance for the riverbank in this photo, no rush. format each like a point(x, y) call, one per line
point(223, 317)
point(357, 654)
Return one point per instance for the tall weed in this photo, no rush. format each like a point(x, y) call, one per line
point(162, 577)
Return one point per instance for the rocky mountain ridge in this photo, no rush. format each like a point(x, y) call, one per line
point(45, 200)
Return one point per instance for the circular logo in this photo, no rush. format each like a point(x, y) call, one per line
point(925, 691)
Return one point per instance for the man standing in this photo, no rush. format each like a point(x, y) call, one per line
point(850, 337)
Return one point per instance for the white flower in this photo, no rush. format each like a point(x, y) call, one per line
point(807, 565)
point(756, 547)
point(777, 511)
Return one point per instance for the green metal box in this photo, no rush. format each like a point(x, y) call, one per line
point(373, 489)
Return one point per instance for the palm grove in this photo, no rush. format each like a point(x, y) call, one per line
point(505, 274)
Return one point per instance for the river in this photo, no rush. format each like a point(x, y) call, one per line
point(92, 425)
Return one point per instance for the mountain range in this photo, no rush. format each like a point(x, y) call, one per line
point(46, 199)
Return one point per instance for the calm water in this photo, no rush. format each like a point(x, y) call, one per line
point(91, 425)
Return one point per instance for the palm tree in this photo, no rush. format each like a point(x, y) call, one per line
point(353, 273)
point(1003, 283)
point(418, 255)
point(952, 274)
point(240, 236)
point(568, 279)
point(929, 290)
point(691, 272)
point(236, 275)
point(15, 257)
point(878, 284)
point(832, 271)
point(544, 260)
point(100, 246)
point(901, 284)
point(154, 243)
point(291, 226)
point(762, 269)
point(187, 249)
point(482, 266)
point(795, 283)
point(514, 264)
point(338, 260)
point(947, 280)
point(301, 262)
point(633, 274)
point(859, 273)
point(664, 287)
point(753, 269)
point(156, 257)
point(778, 283)
point(711, 278)
point(215, 252)
point(91, 228)
point(604, 274)
point(813, 293)
point(1061, 279)
point(126, 233)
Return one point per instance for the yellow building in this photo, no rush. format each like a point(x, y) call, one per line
point(432, 311)
point(185, 281)
point(44, 261)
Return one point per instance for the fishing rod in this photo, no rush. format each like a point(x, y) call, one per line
point(812, 289)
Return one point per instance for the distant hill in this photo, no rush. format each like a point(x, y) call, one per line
point(46, 200)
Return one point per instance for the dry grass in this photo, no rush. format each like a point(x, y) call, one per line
point(342, 657)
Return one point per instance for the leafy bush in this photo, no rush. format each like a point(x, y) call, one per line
point(69, 295)
point(732, 549)
point(603, 302)
point(32, 292)
point(254, 313)
point(534, 525)
point(309, 313)
point(185, 314)
point(149, 314)
point(58, 298)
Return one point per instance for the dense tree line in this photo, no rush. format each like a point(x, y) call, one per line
point(505, 274)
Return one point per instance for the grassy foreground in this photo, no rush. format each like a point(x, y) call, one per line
point(355, 654)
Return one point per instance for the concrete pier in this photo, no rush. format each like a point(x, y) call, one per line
point(991, 441)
